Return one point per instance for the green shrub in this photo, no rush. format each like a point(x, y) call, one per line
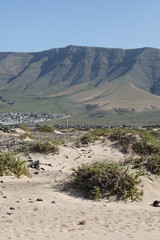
point(99, 180)
point(25, 135)
point(39, 147)
point(24, 128)
point(140, 141)
point(145, 164)
point(136, 163)
point(46, 128)
point(10, 164)
point(57, 141)
point(144, 147)
point(87, 138)
point(78, 142)
point(153, 164)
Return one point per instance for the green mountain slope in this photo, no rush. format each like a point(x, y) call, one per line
point(86, 80)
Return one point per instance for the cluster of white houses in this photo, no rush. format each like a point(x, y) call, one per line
point(11, 118)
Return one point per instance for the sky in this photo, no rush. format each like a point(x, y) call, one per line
point(37, 25)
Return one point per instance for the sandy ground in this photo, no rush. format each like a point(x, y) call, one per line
point(61, 214)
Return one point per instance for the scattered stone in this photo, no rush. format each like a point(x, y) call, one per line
point(42, 169)
point(39, 200)
point(82, 222)
point(53, 202)
point(156, 203)
point(4, 196)
point(1, 181)
point(9, 213)
point(12, 208)
point(50, 165)
point(30, 160)
point(35, 164)
point(36, 173)
point(67, 157)
point(3, 186)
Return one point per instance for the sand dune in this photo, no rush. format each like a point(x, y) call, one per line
point(39, 208)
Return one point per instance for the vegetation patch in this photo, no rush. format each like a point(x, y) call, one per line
point(103, 180)
point(153, 164)
point(39, 147)
point(24, 128)
point(140, 141)
point(57, 141)
point(10, 164)
point(27, 135)
point(46, 128)
point(145, 164)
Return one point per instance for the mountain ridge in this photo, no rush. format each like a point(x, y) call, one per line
point(85, 79)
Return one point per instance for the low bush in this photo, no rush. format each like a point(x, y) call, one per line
point(87, 138)
point(153, 164)
point(145, 164)
point(27, 135)
point(46, 128)
point(39, 147)
point(24, 128)
point(145, 147)
point(10, 164)
point(137, 163)
point(57, 141)
point(139, 140)
point(102, 180)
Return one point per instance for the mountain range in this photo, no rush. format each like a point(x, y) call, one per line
point(81, 80)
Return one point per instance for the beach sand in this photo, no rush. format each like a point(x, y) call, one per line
point(40, 208)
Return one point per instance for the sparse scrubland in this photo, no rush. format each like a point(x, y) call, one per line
point(98, 179)
point(101, 179)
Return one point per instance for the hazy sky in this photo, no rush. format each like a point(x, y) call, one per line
point(36, 25)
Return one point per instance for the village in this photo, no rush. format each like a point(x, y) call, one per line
point(12, 118)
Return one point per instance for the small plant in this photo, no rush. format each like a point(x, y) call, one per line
point(145, 164)
point(144, 147)
point(57, 141)
point(39, 147)
point(24, 128)
point(153, 164)
point(136, 163)
point(103, 140)
point(46, 128)
point(27, 135)
point(99, 180)
point(78, 143)
point(87, 138)
point(9, 165)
